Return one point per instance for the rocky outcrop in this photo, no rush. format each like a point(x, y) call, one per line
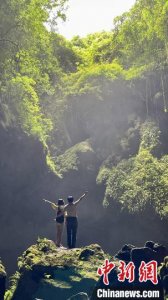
point(150, 251)
point(47, 272)
point(2, 281)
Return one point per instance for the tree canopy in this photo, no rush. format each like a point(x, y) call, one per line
point(105, 93)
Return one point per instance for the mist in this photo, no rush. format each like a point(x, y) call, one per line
point(77, 115)
point(26, 179)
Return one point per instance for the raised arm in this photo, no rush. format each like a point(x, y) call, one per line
point(65, 207)
point(77, 201)
point(53, 205)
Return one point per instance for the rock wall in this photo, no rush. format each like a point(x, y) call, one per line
point(25, 180)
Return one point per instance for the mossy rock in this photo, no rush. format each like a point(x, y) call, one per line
point(48, 272)
point(2, 270)
point(163, 273)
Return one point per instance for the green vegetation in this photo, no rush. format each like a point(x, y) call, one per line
point(103, 96)
point(70, 160)
point(27, 63)
point(140, 181)
point(62, 273)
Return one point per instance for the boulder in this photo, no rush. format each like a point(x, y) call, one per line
point(142, 254)
point(86, 253)
point(125, 253)
point(48, 272)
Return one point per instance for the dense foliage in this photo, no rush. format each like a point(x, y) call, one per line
point(140, 181)
point(105, 94)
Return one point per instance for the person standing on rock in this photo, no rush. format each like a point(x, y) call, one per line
point(59, 220)
point(71, 220)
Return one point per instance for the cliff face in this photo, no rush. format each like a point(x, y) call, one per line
point(46, 272)
point(24, 179)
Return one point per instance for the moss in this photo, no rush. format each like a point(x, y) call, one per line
point(2, 270)
point(57, 283)
point(46, 272)
point(52, 166)
point(75, 278)
point(163, 273)
point(72, 158)
point(13, 285)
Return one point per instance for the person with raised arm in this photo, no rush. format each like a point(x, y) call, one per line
point(72, 220)
point(60, 222)
point(59, 219)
